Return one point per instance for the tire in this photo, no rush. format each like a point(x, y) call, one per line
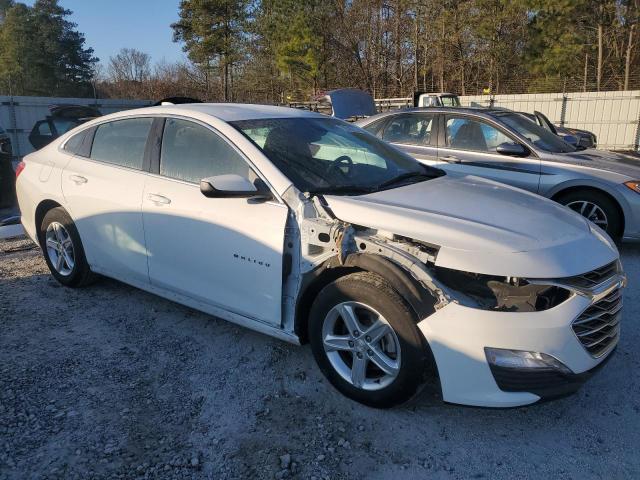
point(407, 352)
point(614, 220)
point(70, 268)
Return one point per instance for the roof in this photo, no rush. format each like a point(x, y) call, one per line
point(231, 112)
point(473, 110)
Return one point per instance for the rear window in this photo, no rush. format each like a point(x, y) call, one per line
point(122, 142)
point(74, 144)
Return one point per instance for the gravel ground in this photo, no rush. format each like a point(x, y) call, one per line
point(112, 382)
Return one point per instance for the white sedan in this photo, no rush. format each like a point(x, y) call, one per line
point(308, 228)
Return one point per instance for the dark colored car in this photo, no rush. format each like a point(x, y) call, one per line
point(7, 176)
point(61, 119)
point(581, 139)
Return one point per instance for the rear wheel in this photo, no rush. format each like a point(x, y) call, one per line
point(365, 340)
point(63, 250)
point(596, 207)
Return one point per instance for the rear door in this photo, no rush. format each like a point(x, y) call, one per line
point(414, 133)
point(104, 196)
point(226, 252)
point(469, 146)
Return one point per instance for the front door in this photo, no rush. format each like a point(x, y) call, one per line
point(223, 251)
point(470, 148)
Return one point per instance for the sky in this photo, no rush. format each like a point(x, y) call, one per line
point(109, 25)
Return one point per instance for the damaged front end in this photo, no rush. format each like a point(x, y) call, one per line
point(318, 243)
point(502, 294)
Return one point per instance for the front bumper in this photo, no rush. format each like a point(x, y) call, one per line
point(458, 336)
point(548, 383)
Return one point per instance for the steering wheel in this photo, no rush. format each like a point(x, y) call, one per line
point(339, 162)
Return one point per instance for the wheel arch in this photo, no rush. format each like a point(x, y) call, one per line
point(417, 296)
point(41, 210)
point(590, 188)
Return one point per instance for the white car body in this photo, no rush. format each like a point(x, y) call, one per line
point(250, 262)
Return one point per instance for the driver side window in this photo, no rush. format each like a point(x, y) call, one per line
point(469, 134)
point(191, 152)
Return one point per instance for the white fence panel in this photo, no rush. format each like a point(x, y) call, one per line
point(19, 114)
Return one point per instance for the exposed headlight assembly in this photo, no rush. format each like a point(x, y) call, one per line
point(503, 294)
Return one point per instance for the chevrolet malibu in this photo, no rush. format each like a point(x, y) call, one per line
point(310, 229)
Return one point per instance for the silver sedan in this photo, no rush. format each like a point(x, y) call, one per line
point(507, 147)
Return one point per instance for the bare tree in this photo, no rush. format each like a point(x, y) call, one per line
point(129, 65)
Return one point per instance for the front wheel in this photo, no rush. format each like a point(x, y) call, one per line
point(596, 207)
point(365, 340)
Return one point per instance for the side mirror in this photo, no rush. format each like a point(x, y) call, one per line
point(233, 186)
point(512, 149)
point(571, 140)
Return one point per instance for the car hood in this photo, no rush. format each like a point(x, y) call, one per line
point(603, 160)
point(483, 227)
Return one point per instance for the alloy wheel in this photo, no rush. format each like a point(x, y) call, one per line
point(591, 212)
point(60, 248)
point(361, 345)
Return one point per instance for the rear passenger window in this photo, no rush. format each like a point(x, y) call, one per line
point(412, 129)
point(74, 144)
point(191, 152)
point(122, 142)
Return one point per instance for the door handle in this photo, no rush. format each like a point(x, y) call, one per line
point(78, 179)
point(158, 199)
point(451, 159)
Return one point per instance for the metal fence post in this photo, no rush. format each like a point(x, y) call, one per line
point(15, 144)
point(636, 146)
point(563, 109)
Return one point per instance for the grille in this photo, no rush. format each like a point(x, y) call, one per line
point(598, 326)
point(592, 278)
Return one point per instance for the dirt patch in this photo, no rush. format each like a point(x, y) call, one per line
point(112, 382)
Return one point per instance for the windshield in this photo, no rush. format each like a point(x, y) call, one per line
point(450, 101)
point(330, 156)
point(540, 137)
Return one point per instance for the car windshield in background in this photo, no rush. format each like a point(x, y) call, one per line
point(329, 156)
point(450, 101)
point(540, 137)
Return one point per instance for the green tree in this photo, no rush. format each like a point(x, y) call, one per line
point(17, 57)
point(5, 5)
point(42, 53)
point(213, 33)
point(296, 35)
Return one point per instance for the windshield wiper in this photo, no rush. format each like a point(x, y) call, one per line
point(406, 176)
point(342, 189)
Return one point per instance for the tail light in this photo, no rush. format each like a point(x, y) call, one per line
point(20, 168)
